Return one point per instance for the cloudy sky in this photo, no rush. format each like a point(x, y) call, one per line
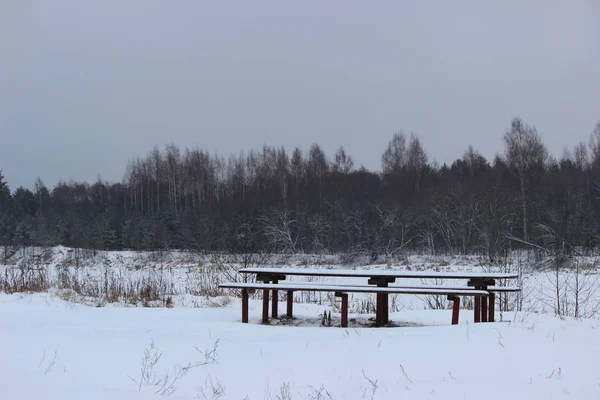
point(87, 85)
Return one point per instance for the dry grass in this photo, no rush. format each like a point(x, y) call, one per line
point(25, 279)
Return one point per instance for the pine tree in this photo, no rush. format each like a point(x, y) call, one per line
point(7, 225)
point(22, 233)
point(110, 238)
point(5, 196)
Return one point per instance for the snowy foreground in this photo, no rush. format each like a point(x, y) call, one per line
point(52, 349)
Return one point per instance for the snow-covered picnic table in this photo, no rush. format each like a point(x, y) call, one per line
point(480, 285)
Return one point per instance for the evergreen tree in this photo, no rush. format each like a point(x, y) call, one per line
point(7, 222)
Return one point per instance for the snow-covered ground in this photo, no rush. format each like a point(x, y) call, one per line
point(52, 349)
point(61, 344)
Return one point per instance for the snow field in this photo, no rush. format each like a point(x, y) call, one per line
point(85, 333)
point(97, 350)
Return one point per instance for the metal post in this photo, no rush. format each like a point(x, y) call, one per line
point(275, 300)
point(245, 306)
point(492, 306)
point(265, 310)
point(290, 303)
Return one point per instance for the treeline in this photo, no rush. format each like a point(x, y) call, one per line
point(269, 200)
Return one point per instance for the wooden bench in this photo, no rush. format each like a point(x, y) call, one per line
point(495, 289)
point(340, 291)
point(381, 279)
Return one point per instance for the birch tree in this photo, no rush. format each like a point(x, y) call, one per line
point(395, 156)
point(342, 162)
point(416, 159)
point(595, 145)
point(580, 157)
point(524, 150)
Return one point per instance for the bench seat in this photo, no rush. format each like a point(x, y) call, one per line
point(320, 287)
point(497, 289)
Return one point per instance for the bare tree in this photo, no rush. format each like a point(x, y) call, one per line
point(281, 229)
point(581, 157)
point(317, 163)
point(317, 167)
point(41, 193)
point(395, 156)
point(583, 289)
point(392, 230)
point(236, 176)
point(442, 219)
point(494, 225)
point(157, 172)
point(416, 158)
point(343, 162)
point(595, 145)
point(319, 232)
point(524, 150)
point(470, 157)
point(173, 167)
point(298, 171)
point(465, 211)
point(426, 233)
point(282, 166)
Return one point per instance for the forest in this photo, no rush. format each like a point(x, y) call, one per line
point(270, 201)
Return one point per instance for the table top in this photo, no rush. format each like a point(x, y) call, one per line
point(365, 273)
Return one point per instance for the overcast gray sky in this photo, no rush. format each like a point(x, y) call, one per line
point(86, 85)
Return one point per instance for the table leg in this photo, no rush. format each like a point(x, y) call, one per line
point(265, 310)
point(290, 303)
point(274, 301)
point(477, 313)
point(484, 309)
point(377, 309)
point(344, 297)
point(386, 308)
point(245, 306)
point(492, 306)
point(455, 308)
point(383, 306)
